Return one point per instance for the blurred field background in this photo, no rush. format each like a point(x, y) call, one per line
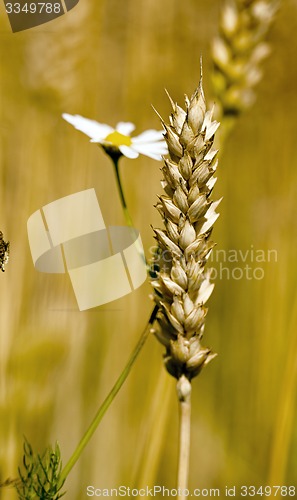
point(110, 61)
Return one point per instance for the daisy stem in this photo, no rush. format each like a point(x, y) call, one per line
point(127, 215)
point(184, 397)
point(108, 400)
point(128, 218)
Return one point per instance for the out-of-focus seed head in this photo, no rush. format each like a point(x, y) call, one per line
point(237, 52)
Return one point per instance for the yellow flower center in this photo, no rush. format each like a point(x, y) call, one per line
point(118, 139)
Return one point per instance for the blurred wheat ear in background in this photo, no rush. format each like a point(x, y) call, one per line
point(238, 52)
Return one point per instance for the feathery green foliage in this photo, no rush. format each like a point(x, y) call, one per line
point(40, 474)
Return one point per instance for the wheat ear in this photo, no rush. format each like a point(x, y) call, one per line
point(238, 52)
point(181, 284)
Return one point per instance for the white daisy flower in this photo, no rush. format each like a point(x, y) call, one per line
point(118, 141)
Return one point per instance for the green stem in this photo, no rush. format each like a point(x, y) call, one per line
point(127, 215)
point(108, 400)
point(128, 218)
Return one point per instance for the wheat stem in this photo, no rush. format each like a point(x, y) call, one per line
point(183, 387)
point(108, 400)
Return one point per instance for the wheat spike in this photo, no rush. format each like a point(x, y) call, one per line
point(181, 284)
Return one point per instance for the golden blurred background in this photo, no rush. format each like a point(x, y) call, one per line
point(110, 60)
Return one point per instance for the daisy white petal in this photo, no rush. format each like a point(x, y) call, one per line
point(149, 136)
point(96, 131)
point(125, 128)
point(118, 140)
point(157, 147)
point(154, 156)
point(151, 154)
point(129, 152)
point(153, 150)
